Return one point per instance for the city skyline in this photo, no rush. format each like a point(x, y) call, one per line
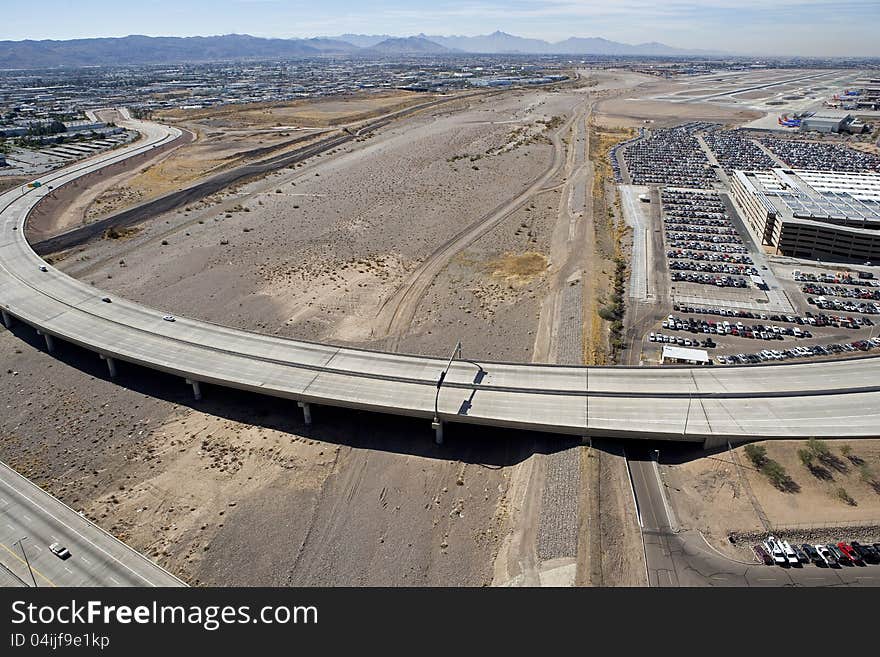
point(787, 27)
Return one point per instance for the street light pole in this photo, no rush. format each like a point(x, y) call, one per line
point(436, 423)
point(26, 560)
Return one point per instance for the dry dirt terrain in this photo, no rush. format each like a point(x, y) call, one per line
point(715, 495)
point(235, 490)
point(313, 252)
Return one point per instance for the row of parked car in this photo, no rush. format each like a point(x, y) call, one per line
point(809, 319)
point(662, 338)
point(708, 279)
point(675, 236)
point(676, 214)
point(737, 329)
point(865, 308)
point(672, 226)
point(779, 552)
point(840, 291)
point(801, 352)
point(702, 245)
point(861, 279)
point(687, 254)
point(714, 268)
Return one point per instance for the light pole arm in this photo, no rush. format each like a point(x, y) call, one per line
point(442, 377)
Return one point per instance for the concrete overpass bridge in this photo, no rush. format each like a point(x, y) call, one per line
point(704, 405)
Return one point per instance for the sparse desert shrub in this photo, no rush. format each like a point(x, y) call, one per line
point(819, 448)
point(806, 457)
point(844, 496)
point(757, 454)
point(777, 475)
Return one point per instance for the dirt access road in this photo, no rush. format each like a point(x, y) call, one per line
point(396, 314)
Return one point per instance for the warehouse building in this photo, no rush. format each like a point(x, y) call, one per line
point(826, 215)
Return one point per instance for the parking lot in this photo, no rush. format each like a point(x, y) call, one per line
point(801, 154)
point(736, 150)
point(706, 257)
point(670, 156)
point(726, 295)
point(780, 552)
point(703, 327)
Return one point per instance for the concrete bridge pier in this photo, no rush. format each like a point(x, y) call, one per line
point(50, 342)
point(197, 389)
point(111, 365)
point(307, 411)
point(437, 426)
point(7, 319)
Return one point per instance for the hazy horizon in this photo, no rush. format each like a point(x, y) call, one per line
point(810, 28)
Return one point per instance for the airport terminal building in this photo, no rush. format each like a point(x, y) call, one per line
point(827, 215)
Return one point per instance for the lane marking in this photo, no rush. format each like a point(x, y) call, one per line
point(59, 520)
point(25, 564)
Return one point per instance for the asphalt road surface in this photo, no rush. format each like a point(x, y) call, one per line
point(96, 558)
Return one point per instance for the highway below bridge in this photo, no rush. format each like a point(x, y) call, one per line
point(704, 405)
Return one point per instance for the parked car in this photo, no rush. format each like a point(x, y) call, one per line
point(849, 552)
point(842, 558)
point(827, 556)
point(790, 554)
point(865, 552)
point(813, 555)
point(776, 551)
point(801, 555)
point(762, 555)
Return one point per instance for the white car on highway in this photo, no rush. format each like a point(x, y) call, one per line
point(59, 551)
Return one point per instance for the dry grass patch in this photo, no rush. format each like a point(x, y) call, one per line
point(519, 268)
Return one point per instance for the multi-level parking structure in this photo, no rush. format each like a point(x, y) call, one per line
point(705, 405)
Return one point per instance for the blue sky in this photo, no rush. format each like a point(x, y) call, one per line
point(805, 27)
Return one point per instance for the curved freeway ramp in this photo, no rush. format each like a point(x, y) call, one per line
point(828, 399)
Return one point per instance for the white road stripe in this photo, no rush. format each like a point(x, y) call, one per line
point(57, 519)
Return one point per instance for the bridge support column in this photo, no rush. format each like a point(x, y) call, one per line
point(50, 343)
point(7, 319)
point(111, 365)
point(197, 389)
point(307, 411)
point(437, 426)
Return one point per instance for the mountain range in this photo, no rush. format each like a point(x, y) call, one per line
point(136, 49)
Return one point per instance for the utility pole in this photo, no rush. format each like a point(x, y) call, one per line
point(26, 560)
